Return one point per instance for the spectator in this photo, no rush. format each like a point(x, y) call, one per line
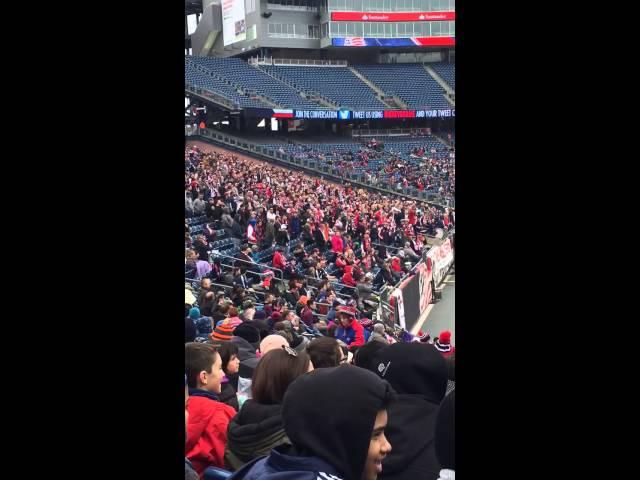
point(189, 472)
point(223, 332)
point(325, 352)
point(331, 314)
point(348, 442)
point(258, 426)
point(418, 374)
point(364, 287)
point(205, 287)
point(337, 244)
point(240, 279)
point(199, 205)
point(188, 205)
point(190, 331)
point(446, 437)
point(221, 310)
point(251, 232)
point(248, 311)
point(190, 267)
point(208, 417)
point(233, 319)
point(208, 304)
point(443, 343)
point(409, 253)
point(349, 329)
point(272, 342)
point(306, 313)
point(247, 337)
point(378, 334)
point(201, 248)
point(204, 325)
point(282, 237)
point(244, 260)
point(279, 261)
point(230, 366)
point(365, 356)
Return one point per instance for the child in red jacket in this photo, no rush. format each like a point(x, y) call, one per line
point(208, 417)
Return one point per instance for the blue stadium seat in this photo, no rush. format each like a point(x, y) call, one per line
point(238, 72)
point(338, 84)
point(215, 473)
point(447, 71)
point(409, 81)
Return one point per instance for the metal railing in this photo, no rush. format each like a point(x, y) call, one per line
point(297, 61)
point(213, 255)
point(324, 171)
point(209, 95)
point(391, 132)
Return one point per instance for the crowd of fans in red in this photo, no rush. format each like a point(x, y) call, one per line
point(295, 375)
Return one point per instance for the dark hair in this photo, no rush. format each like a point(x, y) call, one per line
point(198, 357)
point(227, 350)
point(324, 352)
point(365, 355)
point(275, 371)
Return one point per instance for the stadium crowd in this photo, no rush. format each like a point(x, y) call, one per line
point(289, 372)
point(422, 167)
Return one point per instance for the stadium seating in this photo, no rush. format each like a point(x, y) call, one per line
point(400, 147)
point(241, 73)
point(447, 71)
point(199, 79)
point(410, 82)
point(338, 84)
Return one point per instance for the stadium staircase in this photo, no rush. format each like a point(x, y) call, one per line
point(388, 100)
point(442, 139)
point(239, 88)
point(311, 96)
point(450, 94)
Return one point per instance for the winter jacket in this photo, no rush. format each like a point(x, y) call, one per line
point(207, 429)
point(365, 291)
point(353, 336)
point(325, 447)
point(253, 432)
point(279, 261)
point(348, 279)
point(284, 466)
point(228, 394)
point(337, 245)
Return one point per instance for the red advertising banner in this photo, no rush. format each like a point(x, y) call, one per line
point(436, 41)
point(392, 16)
point(399, 114)
point(425, 272)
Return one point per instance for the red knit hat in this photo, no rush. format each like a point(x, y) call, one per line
point(223, 332)
point(445, 337)
point(347, 310)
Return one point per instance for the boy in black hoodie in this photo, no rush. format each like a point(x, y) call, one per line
point(349, 443)
point(418, 374)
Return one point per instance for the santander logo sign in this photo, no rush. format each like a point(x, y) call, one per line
point(376, 17)
point(392, 16)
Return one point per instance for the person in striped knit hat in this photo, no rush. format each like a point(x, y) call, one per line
point(443, 343)
point(222, 333)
